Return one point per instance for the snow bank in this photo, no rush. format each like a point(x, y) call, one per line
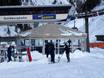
point(36, 57)
point(83, 67)
point(79, 54)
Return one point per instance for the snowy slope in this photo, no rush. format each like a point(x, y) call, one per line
point(96, 24)
point(96, 27)
point(82, 65)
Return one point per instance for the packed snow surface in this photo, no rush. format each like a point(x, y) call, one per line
point(82, 65)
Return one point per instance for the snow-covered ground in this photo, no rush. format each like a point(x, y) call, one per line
point(82, 65)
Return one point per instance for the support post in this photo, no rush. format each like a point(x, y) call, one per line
point(43, 48)
point(87, 32)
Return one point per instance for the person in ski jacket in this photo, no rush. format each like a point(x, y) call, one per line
point(51, 52)
point(47, 49)
point(67, 51)
point(9, 53)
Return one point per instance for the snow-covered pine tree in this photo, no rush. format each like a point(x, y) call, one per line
point(88, 5)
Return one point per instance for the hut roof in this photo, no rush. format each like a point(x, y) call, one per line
point(53, 31)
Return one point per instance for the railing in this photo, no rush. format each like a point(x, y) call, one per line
point(97, 44)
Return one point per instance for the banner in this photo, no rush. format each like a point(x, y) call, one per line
point(50, 16)
point(15, 17)
point(61, 16)
point(35, 17)
point(44, 16)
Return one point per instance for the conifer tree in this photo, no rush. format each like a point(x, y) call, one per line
point(88, 5)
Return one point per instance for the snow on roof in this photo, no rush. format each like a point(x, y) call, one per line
point(53, 31)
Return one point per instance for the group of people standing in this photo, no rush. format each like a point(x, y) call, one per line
point(67, 49)
point(50, 50)
point(10, 53)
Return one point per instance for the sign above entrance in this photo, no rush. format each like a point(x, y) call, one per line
point(33, 18)
point(29, 14)
point(15, 17)
point(44, 16)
